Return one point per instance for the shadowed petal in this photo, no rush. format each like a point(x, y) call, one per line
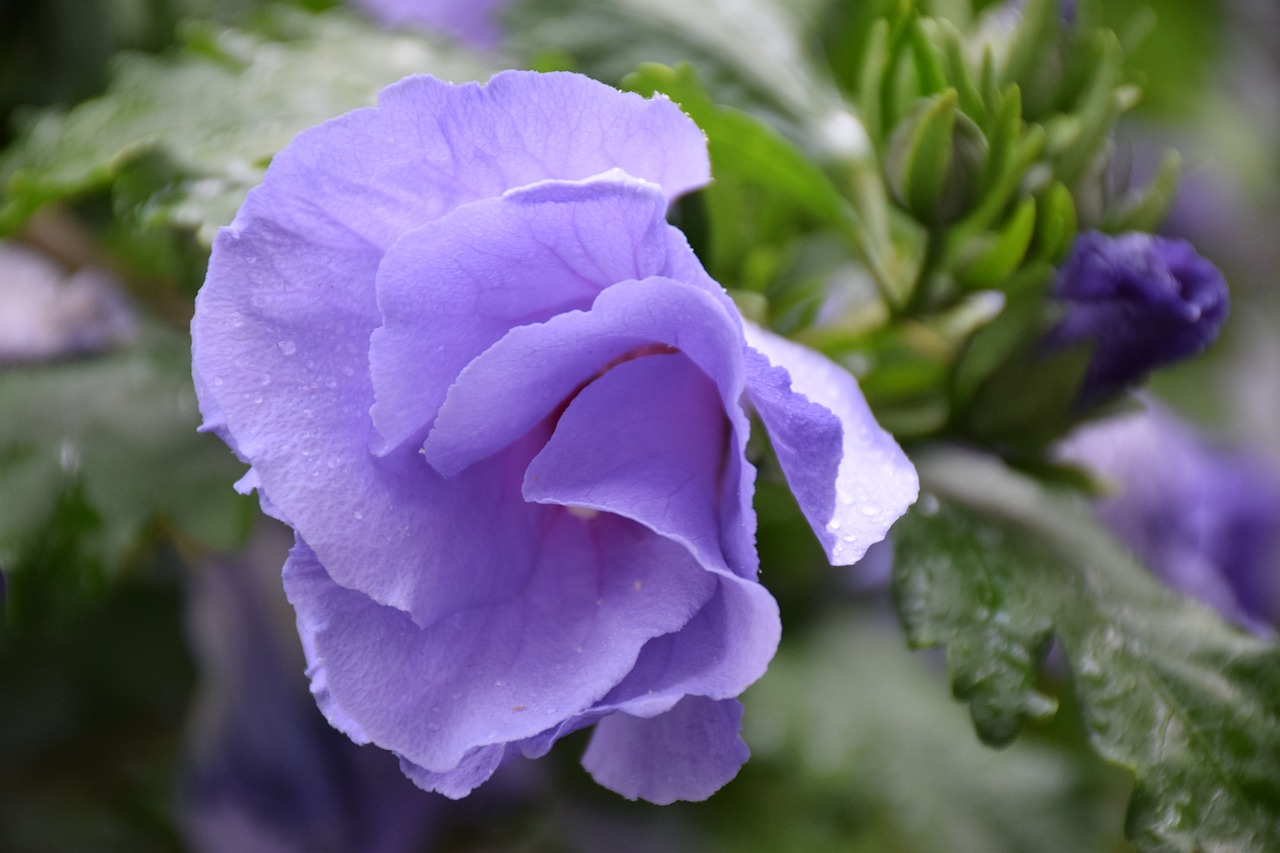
point(644, 441)
point(474, 770)
point(504, 672)
point(851, 479)
point(687, 753)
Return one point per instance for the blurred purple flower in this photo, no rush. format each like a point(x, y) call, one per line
point(498, 400)
point(47, 313)
point(1204, 519)
point(1140, 301)
point(473, 22)
point(264, 773)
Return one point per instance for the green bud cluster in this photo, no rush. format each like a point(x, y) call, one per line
point(992, 137)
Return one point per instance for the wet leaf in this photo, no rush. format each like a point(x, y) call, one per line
point(992, 563)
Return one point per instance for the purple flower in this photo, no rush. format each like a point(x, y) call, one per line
point(1204, 519)
point(263, 771)
point(499, 402)
point(46, 313)
point(1141, 301)
point(473, 22)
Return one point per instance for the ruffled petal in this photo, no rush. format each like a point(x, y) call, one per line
point(644, 441)
point(687, 753)
point(851, 479)
point(724, 649)
point(429, 146)
point(474, 770)
point(500, 673)
point(283, 323)
point(449, 290)
point(549, 361)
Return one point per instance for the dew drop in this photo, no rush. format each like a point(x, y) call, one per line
point(287, 347)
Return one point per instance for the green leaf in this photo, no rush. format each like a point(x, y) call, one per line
point(1145, 210)
point(926, 50)
point(218, 110)
point(992, 562)
point(875, 65)
point(919, 156)
point(742, 146)
point(1097, 109)
point(1055, 225)
point(756, 45)
point(1032, 60)
point(961, 76)
point(765, 197)
point(1018, 322)
point(992, 258)
point(114, 439)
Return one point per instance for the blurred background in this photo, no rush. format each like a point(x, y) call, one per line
point(152, 694)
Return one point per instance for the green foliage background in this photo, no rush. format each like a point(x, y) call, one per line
point(132, 131)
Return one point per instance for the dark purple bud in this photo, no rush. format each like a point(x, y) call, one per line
point(1142, 301)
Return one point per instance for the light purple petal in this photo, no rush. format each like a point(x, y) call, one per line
point(450, 289)
point(687, 753)
point(719, 653)
point(474, 769)
point(429, 147)
point(644, 441)
point(283, 323)
point(549, 361)
point(504, 672)
point(850, 497)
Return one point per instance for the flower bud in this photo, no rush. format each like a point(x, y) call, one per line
point(1141, 301)
point(934, 160)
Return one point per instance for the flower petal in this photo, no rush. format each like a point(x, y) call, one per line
point(852, 492)
point(282, 326)
point(449, 290)
point(721, 651)
point(644, 441)
point(548, 361)
point(475, 768)
point(687, 753)
point(500, 673)
point(429, 146)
